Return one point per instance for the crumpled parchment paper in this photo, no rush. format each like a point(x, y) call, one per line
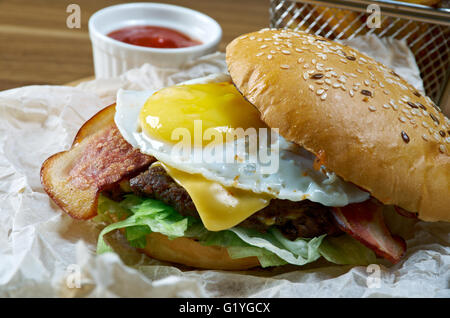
point(45, 253)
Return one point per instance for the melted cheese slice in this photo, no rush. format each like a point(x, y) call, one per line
point(219, 207)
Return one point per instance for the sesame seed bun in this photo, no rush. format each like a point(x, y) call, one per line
point(365, 123)
point(191, 253)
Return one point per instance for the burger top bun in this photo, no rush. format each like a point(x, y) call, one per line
point(356, 115)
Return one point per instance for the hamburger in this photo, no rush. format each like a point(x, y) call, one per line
point(307, 149)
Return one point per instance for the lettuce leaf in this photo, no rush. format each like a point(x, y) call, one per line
point(147, 216)
point(345, 250)
point(141, 216)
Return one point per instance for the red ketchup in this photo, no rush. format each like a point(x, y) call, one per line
point(153, 36)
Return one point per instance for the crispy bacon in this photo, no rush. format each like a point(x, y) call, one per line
point(364, 221)
point(99, 158)
point(405, 213)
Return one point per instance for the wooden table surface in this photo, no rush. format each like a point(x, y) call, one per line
point(36, 46)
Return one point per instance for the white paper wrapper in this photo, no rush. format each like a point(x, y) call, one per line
point(45, 253)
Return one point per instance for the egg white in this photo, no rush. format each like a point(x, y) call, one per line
point(295, 179)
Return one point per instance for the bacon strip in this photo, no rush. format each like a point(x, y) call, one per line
point(364, 222)
point(98, 158)
point(405, 213)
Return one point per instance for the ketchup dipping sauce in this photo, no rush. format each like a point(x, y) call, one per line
point(153, 36)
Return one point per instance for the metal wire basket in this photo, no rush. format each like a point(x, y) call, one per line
point(426, 30)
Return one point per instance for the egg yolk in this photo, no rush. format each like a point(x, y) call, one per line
point(215, 105)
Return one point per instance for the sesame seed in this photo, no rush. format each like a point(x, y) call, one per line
point(286, 52)
point(342, 79)
point(351, 92)
point(269, 57)
point(284, 66)
point(273, 52)
point(425, 124)
point(328, 81)
point(436, 136)
point(366, 92)
point(311, 88)
point(381, 84)
point(442, 148)
point(402, 119)
point(416, 112)
point(300, 60)
point(263, 46)
point(386, 92)
point(305, 76)
point(314, 61)
point(372, 108)
point(336, 85)
point(436, 121)
point(320, 82)
point(366, 82)
point(322, 56)
point(359, 70)
point(252, 38)
point(421, 106)
point(405, 136)
point(324, 96)
point(259, 54)
point(386, 106)
point(298, 50)
point(306, 65)
point(317, 76)
point(425, 137)
point(343, 61)
point(320, 91)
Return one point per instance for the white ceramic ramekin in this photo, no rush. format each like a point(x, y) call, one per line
point(112, 57)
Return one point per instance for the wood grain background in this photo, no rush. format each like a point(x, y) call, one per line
point(36, 47)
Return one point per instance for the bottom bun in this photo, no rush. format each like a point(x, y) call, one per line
point(191, 253)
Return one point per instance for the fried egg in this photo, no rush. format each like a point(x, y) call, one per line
point(154, 121)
